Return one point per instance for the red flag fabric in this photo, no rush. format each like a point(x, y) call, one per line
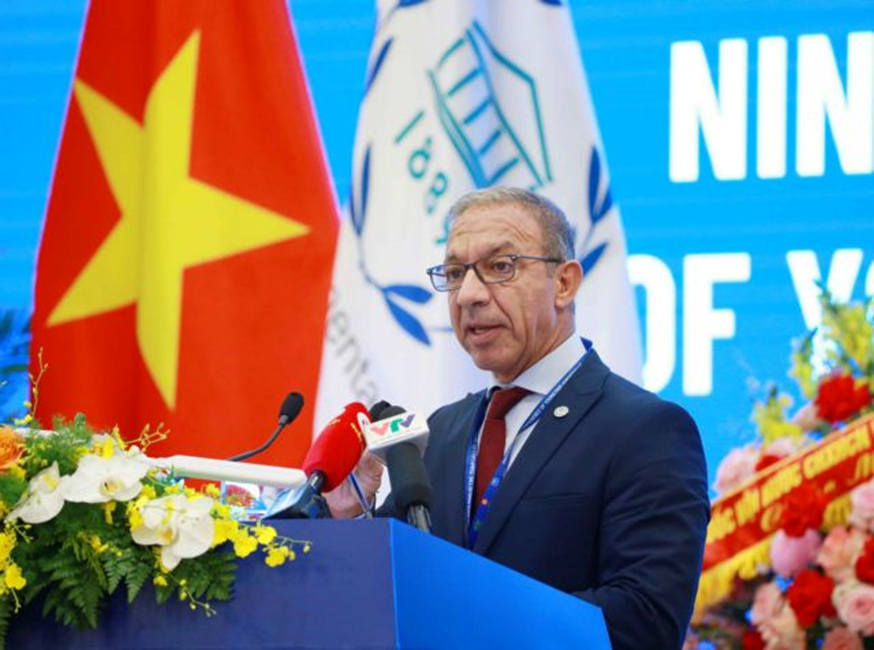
point(185, 263)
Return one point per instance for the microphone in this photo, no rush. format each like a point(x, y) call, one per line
point(401, 441)
point(329, 461)
point(393, 425)
point(290, 409)
point(377, 409)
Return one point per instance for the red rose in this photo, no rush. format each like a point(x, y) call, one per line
point(838, 398)
point(752, 640)
point(810, 597)
point(865, 563)
point(766, 461)
point(804, 508)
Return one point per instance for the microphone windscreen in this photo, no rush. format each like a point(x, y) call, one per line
point(388, 411)
point(409, 480)
point(377, 409)
point(291, 406)
point(339, 447)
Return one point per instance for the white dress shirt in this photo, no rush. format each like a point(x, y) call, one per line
point(539, 379)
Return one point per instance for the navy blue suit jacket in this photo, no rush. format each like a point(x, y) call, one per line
point(608, 503)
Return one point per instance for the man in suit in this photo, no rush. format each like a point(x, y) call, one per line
point(561, 470)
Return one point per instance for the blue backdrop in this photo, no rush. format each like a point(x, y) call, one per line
point(739, 139)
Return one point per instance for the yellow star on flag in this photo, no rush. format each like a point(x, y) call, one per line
point(169, 221)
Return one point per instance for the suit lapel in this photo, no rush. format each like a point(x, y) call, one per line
point(580, 394)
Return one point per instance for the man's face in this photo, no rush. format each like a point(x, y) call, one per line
point(505, 328)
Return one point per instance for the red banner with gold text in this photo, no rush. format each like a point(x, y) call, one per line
point(744, 521)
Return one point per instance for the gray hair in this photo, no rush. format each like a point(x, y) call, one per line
point(558, 234)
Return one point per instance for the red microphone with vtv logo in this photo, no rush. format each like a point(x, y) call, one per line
point(329, 461)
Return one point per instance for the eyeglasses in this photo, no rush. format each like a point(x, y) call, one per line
point(491, 270)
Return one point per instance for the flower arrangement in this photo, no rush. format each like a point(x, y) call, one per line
point(837, 380)
point(84, 513)
point(816, 589)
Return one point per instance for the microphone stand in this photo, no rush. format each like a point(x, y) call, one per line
point(419, 516)
point(283, 421)
point(290, 409)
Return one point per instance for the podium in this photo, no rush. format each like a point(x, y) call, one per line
point(365, 584)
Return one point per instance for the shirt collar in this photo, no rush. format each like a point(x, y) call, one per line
point(546, 373)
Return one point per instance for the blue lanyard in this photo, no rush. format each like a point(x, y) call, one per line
point(475, 525)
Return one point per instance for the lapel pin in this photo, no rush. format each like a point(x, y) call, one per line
point(561, 411)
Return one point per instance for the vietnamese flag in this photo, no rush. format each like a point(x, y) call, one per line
point(185, 263)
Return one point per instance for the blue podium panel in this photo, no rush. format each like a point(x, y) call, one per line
point(450, 598)
point(366, 584)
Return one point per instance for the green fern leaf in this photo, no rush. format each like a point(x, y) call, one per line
point(135, 578)
point(7, 608)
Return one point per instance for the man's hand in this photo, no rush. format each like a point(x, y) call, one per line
point(343, 501)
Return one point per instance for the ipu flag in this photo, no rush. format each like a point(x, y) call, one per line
point(459, 96)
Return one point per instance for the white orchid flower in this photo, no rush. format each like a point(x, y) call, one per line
point(44, 498)
point(99, 479)
point(183, 528)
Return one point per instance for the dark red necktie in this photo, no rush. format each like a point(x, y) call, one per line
point(494, 437)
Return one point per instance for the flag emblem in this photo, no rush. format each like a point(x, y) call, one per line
point(185, 262)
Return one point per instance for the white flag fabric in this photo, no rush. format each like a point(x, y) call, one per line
point(463, 95)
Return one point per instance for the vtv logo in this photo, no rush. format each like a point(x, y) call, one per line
point(402, 422)
point(718, 110)
point(404, 427)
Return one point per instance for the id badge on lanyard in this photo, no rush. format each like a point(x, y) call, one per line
point(474, 525)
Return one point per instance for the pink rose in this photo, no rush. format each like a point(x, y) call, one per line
point(862, 498)
point(736, 468)
point(839, 552)
point(843, 588)
point(782, 632)
point(791, 554)
point(775, 620)
point(841, 638)
point(807, 417)
point(785, 446)
point(856, 608)
point(767, 603)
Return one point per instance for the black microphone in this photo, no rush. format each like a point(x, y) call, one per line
point(410, 487)
point(377, 409)
point(290, 409)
